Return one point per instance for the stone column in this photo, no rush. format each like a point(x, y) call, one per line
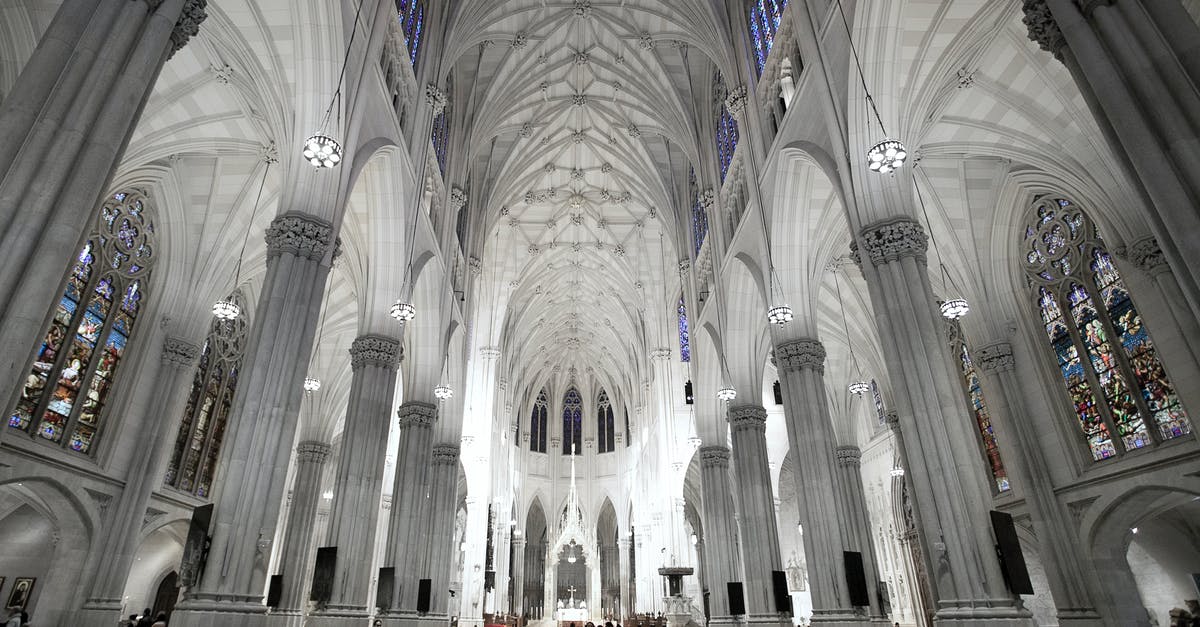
point(159, 426)
point(625, 608)
point(1133, 61)
point(358, 486)
point(1071, 583)
point(857, 535)
point(756, 509)
point(948, 483)
point(297, 558)
point(65, 124)
point(262, 425)
point(517, 601)
point(801, 365)
point(408, 506)
point(721, 556)
point(443, 495)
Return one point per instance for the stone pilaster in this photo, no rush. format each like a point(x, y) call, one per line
point(721, 556)
point(943, 468)
point(827, 527)
point(159, 426)
point(756, 510)
point(262, 425)
point(409, 506)
point(358, 485)
point(858, 527)
point(443, 492)
point(1071, 583)
point(624, 608)
point(296, 560)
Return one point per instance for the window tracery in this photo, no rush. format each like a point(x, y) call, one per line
point(699, 215)
point(1111, 370)
point(605, 424)
point(763, 19)
point(198, 443)
point(685, 344)
point(411, 14)
point(979, 409)
point(726, 135)
point(572, 423)
point(537, 423)
point(91, 327)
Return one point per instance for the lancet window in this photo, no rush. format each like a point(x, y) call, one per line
point(572, 423)
point(685, 343)
point(198, 443)
point(537, 423)
point(1119, 390)
point(726, 133)
point(699, 215)
point(979, 408)
point(605, 425)
point(411, 14)
point(763, 19)
point(64, 394)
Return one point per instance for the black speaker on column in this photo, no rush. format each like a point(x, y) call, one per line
point(737, 601)
point(275, 591)
point(856, 579)
point(1008, 549)
point(383, 592)
point(323, 570)
point(424, 588)
point(783, 598)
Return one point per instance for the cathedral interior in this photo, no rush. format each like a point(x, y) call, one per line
point(663, 313)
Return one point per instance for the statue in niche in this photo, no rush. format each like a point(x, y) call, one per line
point(796, 574)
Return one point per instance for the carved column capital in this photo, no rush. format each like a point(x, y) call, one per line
point(458, 198)
point(299, 234)
point(995, 357)
point(436, 98)
point(380, 351)
point(445, 454)
point(848, 455)
point(189, 23)
point(178, 352)
point(1042, 28)
point(685, 266)
point(892, 420)
point(736, 101)
point(489, 353)
point(892, 239)
point(748, 417)
point(313, 452)
point(714, 456)
point(660, 354)
point(804, 353)
point(416, 414)
point(1147, 255)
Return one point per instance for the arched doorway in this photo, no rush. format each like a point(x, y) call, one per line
point(167, 594)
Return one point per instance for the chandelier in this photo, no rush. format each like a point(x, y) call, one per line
point(442, 392)
point(955, 308)
point(858, 388)
point(225, 309)
point(780, 314)
point(886, 156)
point(311, 384)
point(402, 311)
point(726, 393)
point(321, 150)
point(951, 308)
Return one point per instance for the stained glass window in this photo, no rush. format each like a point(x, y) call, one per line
point(441, 137)
point(537, 423)
point(91, 327)
point(763, 19)
point(411, 14)
point(699, 215)
point(198, 443)
point(979, 409)
point(605, 432)
point(685, 344)
point(726, 135)
point(572, 423)
point(1113, 376)
point(880, 412)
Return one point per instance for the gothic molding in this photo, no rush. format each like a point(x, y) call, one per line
point(736, 101)
point(804, 353)
point(436, 98)
point(299, 234)
point(892, 420)
point(1042, 29)
point(445, 455)
point(313, 452)
point(489, 352)
point(379, 351)
point(660, 354)
point(893, 239)
point(714, 456)
point(177, 352)
point(1147, 255)
point(748, 417)
point(848, 455)
point(995, 357)
point(458, 198)
point(188, 26)
point(416, 414)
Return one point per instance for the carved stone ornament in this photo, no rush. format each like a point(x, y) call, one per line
point(800, 354)
point(708, 199)
point(1147, 255)
point(1043, 30)
point(714, 456)
point(475, 265)
point(458, 198)
point(379, 351)
point(436, 98)
point(489, 352)
point(736, 101)
point(445, 454)
point(848, 455)
point(304, 236)
point(748, 417)
point(179, 352)
point(416, 414)
point(995, 357)
point(189, 23)
point(892, 419)
point(313, 452)
point(893, 239)
point(660, 354)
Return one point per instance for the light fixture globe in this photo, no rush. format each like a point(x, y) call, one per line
point(859, 388)
point(403, 312)
point(780, 314)
point(226, 310)
point(886, 156)
point(322, 151)
point(442, 392)
point(955, 308)
point(726, 394)
point(311, 384)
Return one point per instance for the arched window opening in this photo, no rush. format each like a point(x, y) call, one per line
point(198, 444)
point(440, 135)
point(605, 427)
point(537, 423)
point(572, 423)
point(91, 327)
point(1108, 362)
point(979, 408)
point(685, 344)
point(411, 14)
point(726, 134)
point(763, 19)
point(877, 397)
point(699, 215)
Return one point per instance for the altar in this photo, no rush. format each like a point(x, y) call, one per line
point(571, 610)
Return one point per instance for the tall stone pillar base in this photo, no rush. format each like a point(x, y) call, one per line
point(415, 620)
point(834, 618)
point(767, 620)
point(209, 610)
point(339, 616)
point(285, 618)
point(1080, 618)
point(100, 613)
point(999, 616)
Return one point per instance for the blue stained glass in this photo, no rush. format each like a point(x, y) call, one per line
point(763, 19)
point(699, 216)
point(572, 423)
point(727, 140)
point(411, 14)
point(685, 347)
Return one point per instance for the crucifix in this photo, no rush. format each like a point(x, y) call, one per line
point(571, 589)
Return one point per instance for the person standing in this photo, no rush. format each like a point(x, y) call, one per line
point(145, 620)
point(160, 620)
point(14, 617)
